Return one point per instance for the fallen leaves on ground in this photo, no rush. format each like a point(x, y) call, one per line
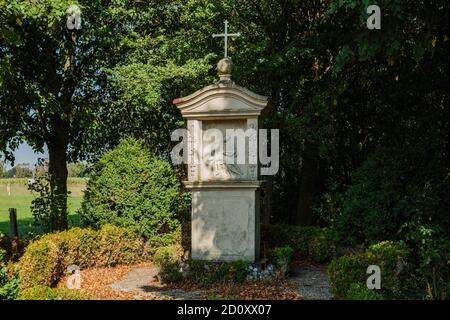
point(257, 290)
point(96, 282)
point(270, 290)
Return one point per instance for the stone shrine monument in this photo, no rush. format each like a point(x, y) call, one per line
point(225, 201)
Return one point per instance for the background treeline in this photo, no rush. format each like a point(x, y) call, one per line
point(75, 170)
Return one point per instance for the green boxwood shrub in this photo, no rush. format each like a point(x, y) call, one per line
point(282, 257)
point(358, 291)
point(310, 243)
point(345, 271)
point(130, 187)
point(394, 261)
point(207, 272)
point(47, 293)
point(46, 259)
point(391, 257)
point(169, 264)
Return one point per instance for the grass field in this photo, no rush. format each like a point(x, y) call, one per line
point(20, 198)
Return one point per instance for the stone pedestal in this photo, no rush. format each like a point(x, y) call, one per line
point(225, 221)
point(225, 197)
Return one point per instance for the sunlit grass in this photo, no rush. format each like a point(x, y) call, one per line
point(20, 198)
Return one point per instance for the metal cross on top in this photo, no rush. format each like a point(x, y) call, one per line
point(225, 36)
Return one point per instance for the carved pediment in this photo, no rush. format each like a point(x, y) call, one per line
point(223, 100)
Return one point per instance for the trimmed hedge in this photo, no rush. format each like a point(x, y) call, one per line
point(347, 274)
point(345, 271)
point(358, 291)
point(46, 293)
point(311, 243)
point(46, 259)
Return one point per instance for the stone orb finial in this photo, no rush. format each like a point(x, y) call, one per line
point(225, 68)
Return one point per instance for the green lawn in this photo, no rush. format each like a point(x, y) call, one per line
point(21, 198)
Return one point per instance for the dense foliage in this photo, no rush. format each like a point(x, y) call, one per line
point(359, 291)
point(282, 258)
point(310, 243)
point(46, 204)
point(130, 187)
point(348, 274)
point(9, 278)
point(46, 259)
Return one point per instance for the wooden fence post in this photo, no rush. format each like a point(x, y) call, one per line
point(13, 223)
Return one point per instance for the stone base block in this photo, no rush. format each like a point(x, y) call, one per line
point(225, 224)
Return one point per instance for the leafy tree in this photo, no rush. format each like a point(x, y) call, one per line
point(2, 170)
point(273, 56)
point(54, 82)
point(45, 207)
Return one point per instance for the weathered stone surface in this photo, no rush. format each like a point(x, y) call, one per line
point(225, 206)
point(227, 230)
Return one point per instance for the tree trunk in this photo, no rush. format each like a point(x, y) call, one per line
point(57, 150)
point(309, 185)
point(59, 140)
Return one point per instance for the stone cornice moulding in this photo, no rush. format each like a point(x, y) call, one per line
point(222, 100)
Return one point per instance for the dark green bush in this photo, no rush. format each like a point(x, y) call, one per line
point(9, 279)
point(46, 259)
point(169, 264)
point(396, 191)
point(309, 242)
point(282, 257)
point(432, 256)
point(400, 192)
point(47, 293)
point(206, 272)
point(3, 241)
point(345, 271)
point(358, 291)
point(130, 187)
point(391, 257)
point(12, 248)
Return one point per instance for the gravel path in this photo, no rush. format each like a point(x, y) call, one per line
point(312, 282)
point(143, 282)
